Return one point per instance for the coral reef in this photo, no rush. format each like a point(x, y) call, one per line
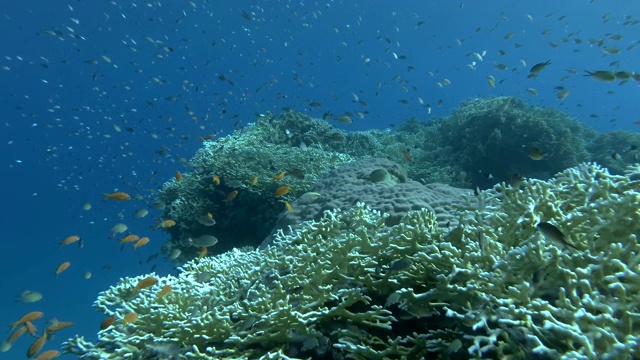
point(350, 286)
point(490, 140)
point(382, 185)
point(261, 151)
point(615, 150)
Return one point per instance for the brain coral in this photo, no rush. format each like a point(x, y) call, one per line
point(381, 184)
point(349, 286)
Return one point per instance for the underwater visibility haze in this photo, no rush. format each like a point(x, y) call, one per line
point(320, 179)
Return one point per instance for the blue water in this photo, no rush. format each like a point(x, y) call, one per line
point(74, 70)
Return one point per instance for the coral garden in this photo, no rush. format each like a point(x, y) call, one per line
point(333, 244)
point(351, 286)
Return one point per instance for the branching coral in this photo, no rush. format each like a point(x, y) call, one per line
point(350, 286)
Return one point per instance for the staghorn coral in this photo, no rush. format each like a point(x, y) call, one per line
point(349, 286)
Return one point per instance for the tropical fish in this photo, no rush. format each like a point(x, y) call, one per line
point(29, 296)
point(145, 284)
point(601, 75)
point(282, 190)
point(178, 176)
point(141, 213)
point(48, 355)
point(129, 238)
point(142, 242)
point(62, 267)
point(206, 220)
point(562, 95)
point(202, 253)
point(130, 318)
point(288, 206)
point(164, 291)
point(167, 223)
point(37, 345)
point(308, 198)
point(16, 334)
point(406, 154)
point(536, 154)
point(491, 81)
point(553, 234)
point(119, 195)
point(216, 179)
point(279, 176)
point(31, 329)
point(57, 326)
point(69, 240)
point(232, 195)
point(119, 229)
point(204, 241)
point(344, 119)
point(535, 69)
point(107, 322)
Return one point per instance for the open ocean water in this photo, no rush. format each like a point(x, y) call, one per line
point(105, 96)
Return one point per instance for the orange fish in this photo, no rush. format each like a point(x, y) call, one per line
point(62, 267)
point(16, 334)
point(279, 176)
point(129, 238)
point(216, 179)
point(288, 206)
point(37, 345)
point(202, 252)
point(142, 242)
point(48, 355)
point(167, 223)
point(69, 240)
point(282, 190)
point(119, 195)
point(107, 322)
point(232, 195)
point(31, 329)
point(165, 290)
point(130, 318)
point(254, 181)
point(406, 154)
point(58, 326)
point(34, 315)
point(145, 284)
point(178, 176)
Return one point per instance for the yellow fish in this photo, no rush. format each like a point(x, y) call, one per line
point(232, 195)
point(288, 206)
point(282, 190)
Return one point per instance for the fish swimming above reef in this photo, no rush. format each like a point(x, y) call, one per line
point(536, 154)
point(601, 75)
point(535, 69)
point(29, 296)
point(553, 234)
point(119, 195)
